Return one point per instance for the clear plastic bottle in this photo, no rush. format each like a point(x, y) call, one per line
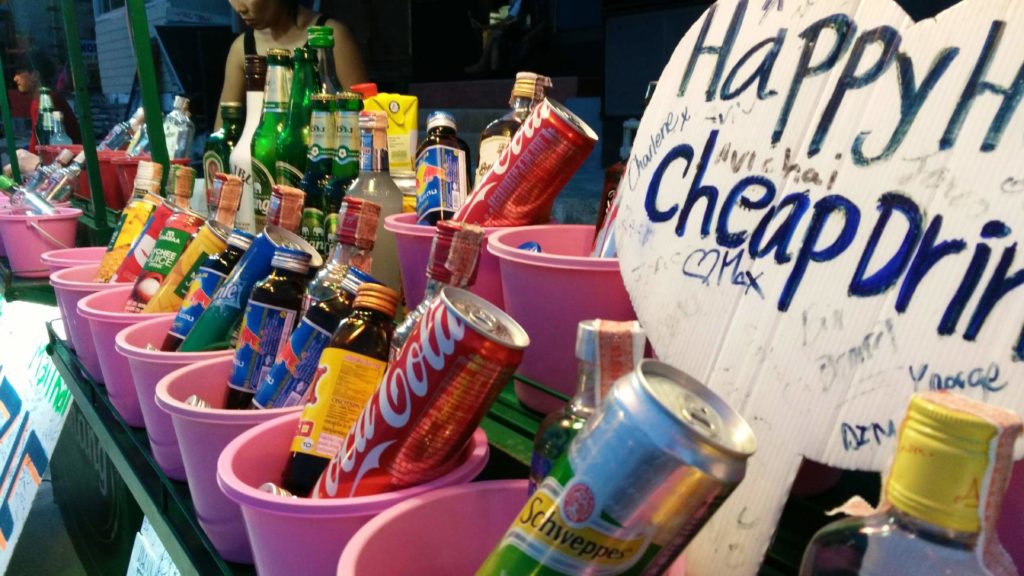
point(606, 350)
point(59, 137)
point(43, 172)
point(24, 201)
point(61, 183)
point(179, 129)
point(526, 93)
point(122, 134)
point(942, 497)
point(375, 184)
point(356, 234)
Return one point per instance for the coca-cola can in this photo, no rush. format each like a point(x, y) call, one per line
point(521, 186)
point(433, 396)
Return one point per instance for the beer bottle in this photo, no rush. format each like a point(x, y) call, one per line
point(351, 368)
point(220, 144)
point(211, 274)
point(318, 173)
point(356, 235)
point(321, 39)
point(264, 141)
point(241, 155)
point(44, 118)
point(454, 254)
point(267, 323)
point(290, 162)
point(375, 184)
point(441, 171)
point(345, 170)
point(526, 93)
point(288, 381)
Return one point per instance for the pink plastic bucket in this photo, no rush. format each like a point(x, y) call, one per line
point(1011, 519)
point(202, 435)
point(148, 367)
point(104, 312)
point(304, 536)
point(71, 285)
point(29, 235)
point(414, 249)
point(71, 257)
point(549, 293)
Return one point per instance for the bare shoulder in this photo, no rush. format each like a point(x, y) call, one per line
point(339, 28)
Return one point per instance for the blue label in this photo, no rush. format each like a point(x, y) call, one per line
point(366, 151)
point(440, 182)
point(253, 267)
point(264, 328)
point(287, 382)
point(200, 294)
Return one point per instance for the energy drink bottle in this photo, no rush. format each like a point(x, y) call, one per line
point(270, 315)
point(298, 361)
point(442, 171)
point(211, 274)
point(351, 368)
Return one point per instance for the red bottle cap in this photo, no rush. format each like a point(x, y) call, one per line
point(454, 252)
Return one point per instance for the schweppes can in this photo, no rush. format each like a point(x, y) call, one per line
point(635, 486)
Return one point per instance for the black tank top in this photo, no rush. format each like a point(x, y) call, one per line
point(249, 40)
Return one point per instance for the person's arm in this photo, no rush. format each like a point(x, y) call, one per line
point(348, 63)
point(234, 77)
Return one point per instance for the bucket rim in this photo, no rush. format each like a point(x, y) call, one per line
point(405, 223)
point(63, 213)
point(57, 279)
point(133, 352)
point(503, 251)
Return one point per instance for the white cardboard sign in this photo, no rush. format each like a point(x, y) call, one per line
point(821, 216)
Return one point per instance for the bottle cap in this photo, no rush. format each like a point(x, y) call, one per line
point(320, 36)
point(354, 278)
point(291, 259)
point(377, 297)
point(367, 89)
point(303, 54)
point(44, 90)
point(454, 252)
point(240, 239)
point(180, 182)
point(139, 115)
point(941, 470)
point(530, 85)
point(357, 222)
point(279, 54)
point(441, 118)
point(616, 346)
point(64, 157)
point(232, 111)
point(150, 171)
point(6, 183)
point(286, 207)
point(181, 103)
point(255, 72)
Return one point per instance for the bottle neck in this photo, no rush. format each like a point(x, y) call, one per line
point(276, 95)
point(521, 107)
point(233, 128)
point(588, 389)
point(302, 89)
point(45, 103)
point(289, 275)
point(379, 156)
point(344, 254)
point(58, 126)
point(325, 69)
point(373, 315)
point(931, 532)
point(433, 289)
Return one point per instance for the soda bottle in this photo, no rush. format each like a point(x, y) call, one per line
point(290, 163)
point(375, 184)
point(288, 381)
point(526, 93)
point(179, 131)
point(356, 234)
point(211, 274)
point(321, 39)
point(59, 137)
point(264, 141)
point(44, 118)
point(605, 350)
point(315, 181)
point(942, 498)
point(241, 155)
point(122, 134)
point(220, 144)
point(351, 368)
point(454, 254)
point(345, 170)
point(270, 315)
point(442, 172)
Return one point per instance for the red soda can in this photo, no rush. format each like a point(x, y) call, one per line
point(131, 267)
point(521, 186)
point(433, 396)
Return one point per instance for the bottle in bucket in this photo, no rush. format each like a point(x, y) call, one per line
point(208, 278)
point(605, 350)
point(172, 242)
point(215, 327)
point(442, 171)
point(211, 239)
point(180, 182)
point(424, 411)
point(635, 486)
point(269, 317)
point(356, 234)
point(296, 365)
point(286, 208)
point(134, 217)
point(351, 368)
point(226, 198)
point(133, 263)
point(454, 254)
point(24, 201)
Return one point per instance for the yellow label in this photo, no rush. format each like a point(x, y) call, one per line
point(135, 217)
point(342, 386)
point(402, 111)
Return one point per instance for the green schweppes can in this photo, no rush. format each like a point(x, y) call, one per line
point(635, 486)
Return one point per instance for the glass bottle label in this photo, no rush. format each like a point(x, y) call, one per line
point(263, 185)
point(311, 228)
point(287, 174)
point(343, 384)
point(264, 330)
point(348, 139)
point(295, 368)
point(440, 180)
point(490, 150)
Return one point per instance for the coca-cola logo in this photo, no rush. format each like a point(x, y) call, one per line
point(408, 377)
point(532, 122)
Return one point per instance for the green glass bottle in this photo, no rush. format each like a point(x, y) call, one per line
point(220, 144)
point(293, 143)
point(345, 170)
point(44, 120)
point(321, 39)
point(320, 158)
point(264, 142)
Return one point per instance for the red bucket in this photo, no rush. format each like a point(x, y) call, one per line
point(127, 167)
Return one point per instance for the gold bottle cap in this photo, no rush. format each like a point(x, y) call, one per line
point(376, 297)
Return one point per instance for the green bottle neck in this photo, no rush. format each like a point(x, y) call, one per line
point(275, 97)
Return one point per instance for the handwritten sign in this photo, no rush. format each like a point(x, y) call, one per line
point(33, 406)
point(820, 217)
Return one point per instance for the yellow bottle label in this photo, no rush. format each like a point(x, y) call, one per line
point(343, 384)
